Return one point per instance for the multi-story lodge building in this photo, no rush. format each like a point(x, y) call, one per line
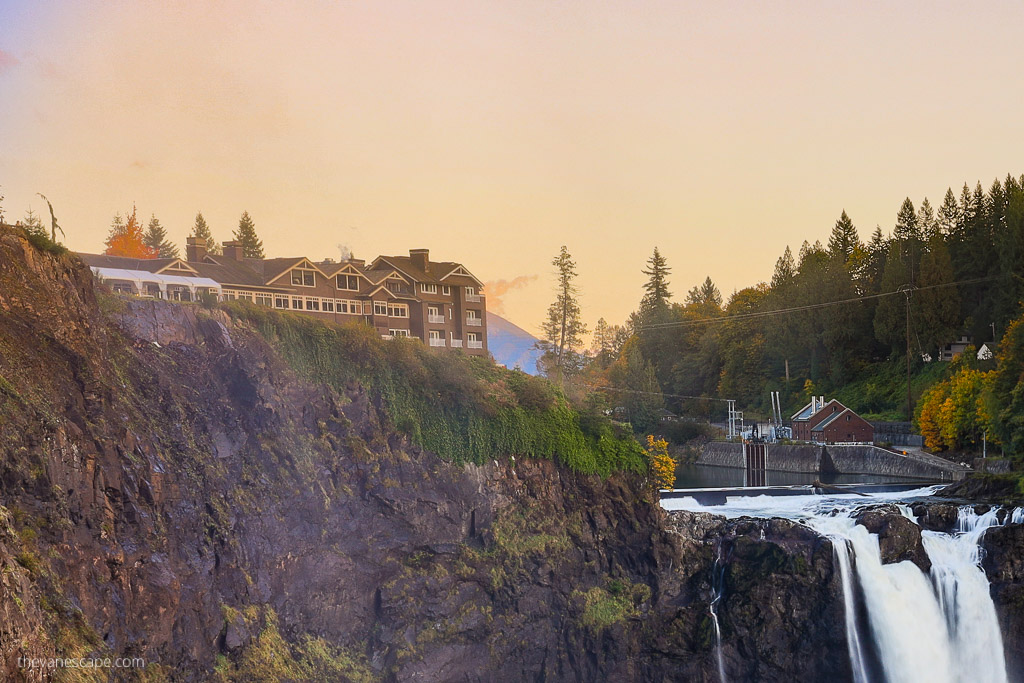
point(441, 303)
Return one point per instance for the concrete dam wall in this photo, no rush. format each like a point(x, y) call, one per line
point(816, 459)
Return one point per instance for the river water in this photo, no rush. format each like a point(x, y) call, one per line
point(939, 627)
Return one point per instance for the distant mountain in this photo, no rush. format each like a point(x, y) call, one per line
point(511, 345)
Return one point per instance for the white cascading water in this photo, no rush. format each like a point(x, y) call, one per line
point(718, 572)
point(935, 628)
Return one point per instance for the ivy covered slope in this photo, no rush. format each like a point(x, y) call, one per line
point(466, 409)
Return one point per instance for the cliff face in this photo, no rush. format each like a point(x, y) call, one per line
point(172, 490)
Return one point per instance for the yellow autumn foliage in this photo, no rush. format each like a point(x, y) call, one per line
point(662, 464)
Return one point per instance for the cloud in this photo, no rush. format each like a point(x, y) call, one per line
point(496, 289)
point(7, 61)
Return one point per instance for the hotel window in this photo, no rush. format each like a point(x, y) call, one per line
point(380, 308)
point(228, 295)
point(280, 301)
point(446, 290)
point(297, 303)
point(398, 310)
point(263, 299)
point(312, 303)
point(303, 276)
point(399, 333)
point(428, 289)
point(348, 282)
point(470, 291)
point(328, 305)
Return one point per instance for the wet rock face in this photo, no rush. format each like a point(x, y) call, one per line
point(899, 539)
point(936, 516)
point(1003, 562)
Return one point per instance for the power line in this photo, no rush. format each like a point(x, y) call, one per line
point(808, 307)
point(656, 393)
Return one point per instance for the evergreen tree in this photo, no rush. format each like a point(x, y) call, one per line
point(126, 238)
point(890, 315)
point(252, 246)
point(656, 288)
point(605, 343)
point(907, 227)
point(33, 224)
point(785, 269)
point(844, 239)
point(1, 207)
point(935, 310)
point(564, 328)
point(156, 239)
point(201, 229)
point(949, 214)
point(705, 295)
point(929, 226)
point(642, 399)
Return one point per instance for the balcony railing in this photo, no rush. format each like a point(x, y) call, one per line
point(456, 343)
point(435, 318)
point(475, 298)
point(475, 344)
point(474, 322)
point(436, 342)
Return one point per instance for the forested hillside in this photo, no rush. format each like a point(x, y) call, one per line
point(832, 320)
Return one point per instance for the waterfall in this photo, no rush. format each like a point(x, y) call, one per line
point(936, 628)
point(717, 576)
point(939, 627)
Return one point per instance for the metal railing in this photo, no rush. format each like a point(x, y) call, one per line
point(475, 298)
point(456, 343)
point(474, 322)
point(436, 342)
point(475, 344)
point(435, 318)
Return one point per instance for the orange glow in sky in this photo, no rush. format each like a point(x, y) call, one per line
point(494, 132)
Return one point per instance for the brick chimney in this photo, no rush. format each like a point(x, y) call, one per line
point(420, 257)
point(195, 248)
point(233, 250)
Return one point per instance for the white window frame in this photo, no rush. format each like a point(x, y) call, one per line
point(300, 269)
point(398, 310)
point(428, 289)
point(346, 288)
point(383, 305)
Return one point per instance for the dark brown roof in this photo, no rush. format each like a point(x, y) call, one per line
point(151, 265)
point(436, 270)
point(227, 271)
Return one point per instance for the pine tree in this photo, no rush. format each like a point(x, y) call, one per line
point(252, 246)
point(785, 270)
point(929, 226)
point(935, 310)
point(1, 207)
point(33, 224)
point(156, 239)
point(656, 288)
point(126, 238)
point(949, 214)
point(706, 294)
point(202, 230)
point(907, 227)
point(564, 328)
point(844, 238)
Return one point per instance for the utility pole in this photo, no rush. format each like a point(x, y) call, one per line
point(906, 289)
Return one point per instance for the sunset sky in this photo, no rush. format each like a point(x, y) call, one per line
point(494, 132)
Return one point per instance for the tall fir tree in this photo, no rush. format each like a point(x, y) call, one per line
point(926, 220)
point(156, 239)
point(656, 294)
point(935, 308)
point(564, 328)
point(949, 214)
point(844, 238)
point(907, 227)
point(201, 229)
point(785, 270)
point(705, 295)
point(252, 246)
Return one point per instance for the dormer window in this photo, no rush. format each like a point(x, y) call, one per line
point(303, 276)
point(428, 289)
point(348, 282)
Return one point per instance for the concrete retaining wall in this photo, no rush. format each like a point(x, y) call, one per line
point(838, 459)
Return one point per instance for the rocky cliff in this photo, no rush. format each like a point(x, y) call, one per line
point(174, 490)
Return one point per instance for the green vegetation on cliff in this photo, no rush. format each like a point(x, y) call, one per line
point(463, 408)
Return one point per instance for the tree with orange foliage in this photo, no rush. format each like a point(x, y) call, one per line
point(126, 238)
point(663, 466)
